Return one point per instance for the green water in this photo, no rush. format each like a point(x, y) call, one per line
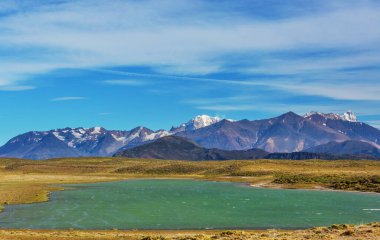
point(190, 204)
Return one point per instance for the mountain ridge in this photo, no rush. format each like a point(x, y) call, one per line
point(95, 141)
point(288, 132)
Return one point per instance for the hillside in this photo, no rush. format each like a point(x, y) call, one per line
point(347, 148)
point(178, 148)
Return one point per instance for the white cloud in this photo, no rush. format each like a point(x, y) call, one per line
point(148, 33)
point(60, 99)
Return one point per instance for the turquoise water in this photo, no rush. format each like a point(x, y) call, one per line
point(190, 204)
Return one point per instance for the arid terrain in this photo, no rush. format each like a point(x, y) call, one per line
point(26, 181)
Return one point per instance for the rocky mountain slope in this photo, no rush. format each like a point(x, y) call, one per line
point(97, 141)
point(286, 133)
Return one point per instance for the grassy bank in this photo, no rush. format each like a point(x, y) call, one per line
point(341, 232)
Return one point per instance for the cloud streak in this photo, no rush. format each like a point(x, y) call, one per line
point(126, 82)
point(63, 99)
point(145, 33)
point(188, 41)
point(16, 88)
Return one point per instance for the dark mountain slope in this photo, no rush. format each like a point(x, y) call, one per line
point(322, 156)
point(347, 147)
point(179, 148)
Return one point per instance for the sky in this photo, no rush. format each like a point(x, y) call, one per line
point(125, 63)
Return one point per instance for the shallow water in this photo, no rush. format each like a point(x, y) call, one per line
point(190, 204)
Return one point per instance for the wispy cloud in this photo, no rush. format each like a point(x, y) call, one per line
point(147, 33)
point(60, 99)
point(375, 123)
point(278, 103)
point(181, 42)
point(316, 85)
point(126, 82)
point(357, 91)
point(228, 107)
point(345, 90)
point(15, 88)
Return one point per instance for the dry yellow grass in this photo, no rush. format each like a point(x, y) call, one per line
point(338, 232)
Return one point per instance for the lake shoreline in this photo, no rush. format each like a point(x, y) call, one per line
point(248, 224)
point(55, 187)
point(256, 185)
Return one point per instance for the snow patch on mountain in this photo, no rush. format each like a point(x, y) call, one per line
point(155, 135)
point(97, 130)
point(57, 135)
point(78, 133)
point(118, 138)
point(197, 122)
point(347, 116)
point(203, 121)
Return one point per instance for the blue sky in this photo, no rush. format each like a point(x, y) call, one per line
point(120, 64)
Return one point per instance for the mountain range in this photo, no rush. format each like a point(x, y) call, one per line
point(286, 133)
point(96, 141)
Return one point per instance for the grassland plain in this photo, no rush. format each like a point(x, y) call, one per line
point(26, 181)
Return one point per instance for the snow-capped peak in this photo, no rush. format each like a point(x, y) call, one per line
point(201, 121)
point(347, 116)
point(197, 122)
point(97, 130)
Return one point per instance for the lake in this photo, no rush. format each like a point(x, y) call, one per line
point(190, 204)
